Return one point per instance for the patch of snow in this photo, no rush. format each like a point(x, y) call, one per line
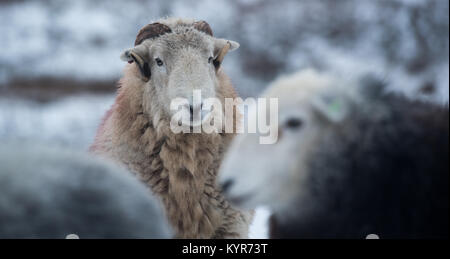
point(70, 122)
point(259, 229)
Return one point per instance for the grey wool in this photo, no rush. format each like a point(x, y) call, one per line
point(53, 193)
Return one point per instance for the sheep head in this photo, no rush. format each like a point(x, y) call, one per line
point(310, 105)
point(176, 57)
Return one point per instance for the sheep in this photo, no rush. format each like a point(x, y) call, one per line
point(352, 160)
point(171, 58)
point(48, 192)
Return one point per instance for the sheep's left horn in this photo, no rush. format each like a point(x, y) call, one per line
point(203, 27)
point(151, 31)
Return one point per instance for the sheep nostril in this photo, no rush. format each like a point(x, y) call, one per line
point(195, 110)
point(226, 185)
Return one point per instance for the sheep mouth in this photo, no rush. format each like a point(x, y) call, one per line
point(205, 119)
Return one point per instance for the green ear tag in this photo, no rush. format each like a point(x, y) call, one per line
point(332, 107)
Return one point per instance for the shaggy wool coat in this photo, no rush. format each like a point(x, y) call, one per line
point(179, 168)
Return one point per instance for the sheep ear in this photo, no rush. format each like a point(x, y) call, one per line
point(221, 48)
point(138, 55)
point(331, 106)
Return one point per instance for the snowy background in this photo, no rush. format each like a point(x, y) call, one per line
point(59, 60)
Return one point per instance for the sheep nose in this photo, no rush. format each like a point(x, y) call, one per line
point(226, 185)
point(195, 109)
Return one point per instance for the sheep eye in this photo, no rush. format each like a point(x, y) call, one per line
point(159, 62)
point(294, 123)
point(210, 59)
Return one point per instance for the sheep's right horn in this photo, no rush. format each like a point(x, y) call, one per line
point(151, 31)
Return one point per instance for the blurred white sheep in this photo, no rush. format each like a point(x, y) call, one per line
point(351, 160)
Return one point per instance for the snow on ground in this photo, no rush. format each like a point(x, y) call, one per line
point(259, 228)
point(69, 122)
point(83, 39)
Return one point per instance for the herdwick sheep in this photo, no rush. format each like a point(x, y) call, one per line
point(52, 193)
point(171, 58)
point(351, 160)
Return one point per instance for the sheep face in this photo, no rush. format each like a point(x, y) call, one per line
point(177, 66)
point(254, 174)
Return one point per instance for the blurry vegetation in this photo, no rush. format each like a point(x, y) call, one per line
point(47, 89)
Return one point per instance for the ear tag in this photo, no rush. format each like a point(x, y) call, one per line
point(334, 108)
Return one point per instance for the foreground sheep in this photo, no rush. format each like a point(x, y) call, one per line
point(50, 193)
point(351, 160)
point(170, 60)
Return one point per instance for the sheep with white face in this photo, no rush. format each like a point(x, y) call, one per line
point(351, 161)
point(173, 59)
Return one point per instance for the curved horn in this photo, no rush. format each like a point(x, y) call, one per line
point(203, 27)
point(151, 31)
